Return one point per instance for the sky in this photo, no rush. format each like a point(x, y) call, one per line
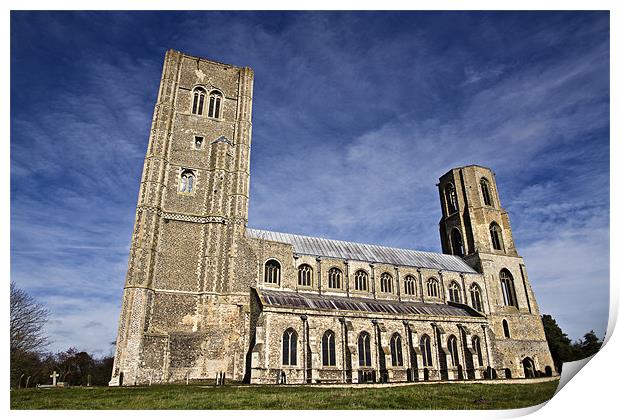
point(355, 117)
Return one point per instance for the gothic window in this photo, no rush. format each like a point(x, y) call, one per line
point(496, 236)
point(304, 275)
point(215, 104)
point(363, 349)
point(433, 287)
point(187, 181)
point(506, 329)
point(328, 344)
point(486, 192)
point(198, 142)
point(410, 284)
point(450, 194)
point(396, 348)
point(334, 278)
point(272, 272)
point(425, 347)
point(361, 280)
point(476, 297)
point(508, 288)
point(455, 292)
point(475, 341)
point(198, 101)
point(454, 350)
point(289, 347)
point(386, 283)
point(457, 242)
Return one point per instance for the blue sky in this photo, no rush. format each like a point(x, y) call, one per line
point(356, 115)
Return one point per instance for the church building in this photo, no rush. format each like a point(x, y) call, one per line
point(206, 296)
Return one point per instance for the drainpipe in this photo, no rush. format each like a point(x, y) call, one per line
point(343, 344)
point(304, 319)
point(421, 285)
point(464, 289)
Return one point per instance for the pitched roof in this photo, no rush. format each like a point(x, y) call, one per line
point(296, 300)
point(309, 245)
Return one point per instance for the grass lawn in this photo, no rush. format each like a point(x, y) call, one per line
point(421, 396)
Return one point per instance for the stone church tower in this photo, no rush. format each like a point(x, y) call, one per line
point(181, 294)
point(476, 227)
point(207, 296)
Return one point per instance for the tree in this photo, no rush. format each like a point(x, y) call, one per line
point(589, 346)
point(559, 343)
point(28, 317)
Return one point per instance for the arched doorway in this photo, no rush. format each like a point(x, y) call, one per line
point(508, 373)
point(528, 368)
point(548, 371)
point(120, 379)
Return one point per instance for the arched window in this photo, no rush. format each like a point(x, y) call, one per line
point(496, 236)
point(457, 242)
point(215, 104)
point(454, 350)
point(363, 349)
point(272, 272)
point(361, 280)
point(486, 192)
point(425, 347)
point(450, 194)
point(455, 292)
point(328, 344)
point(289, 347)
point(506, 329)
point(334, 278)
point(304, 275)
point(476, 297)
point(529, 368)
point(186, 183)
point(396, 348)
point(386, 283)
point(508, 288)
point(410, 285)
point(433, 287)
point(198, 101)
point(475, 341)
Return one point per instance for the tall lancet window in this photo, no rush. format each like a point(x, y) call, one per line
point(198, 101)
point(450, 194)
point(215, 104)
point(486, 192)
point(496, 236)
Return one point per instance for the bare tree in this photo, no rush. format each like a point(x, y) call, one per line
point(28, 318)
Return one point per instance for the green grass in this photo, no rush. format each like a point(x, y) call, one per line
point(421, 396)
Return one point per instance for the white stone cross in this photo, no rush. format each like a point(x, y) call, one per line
point(54, 376)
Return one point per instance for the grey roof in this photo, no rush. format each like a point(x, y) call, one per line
point(309, 245)
point(337, 303)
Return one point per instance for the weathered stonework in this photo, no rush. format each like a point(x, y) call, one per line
point(197, 301)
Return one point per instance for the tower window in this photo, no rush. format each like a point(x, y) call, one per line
point(361, 280)
point(363, 349)
point(508, 288)
point(289, 347)
point(186, 183)
point(328, 344)
point(486, 192)
point(425, 346)
point(198, 101)
point(450, 193)
point(198, 142)
point(457, 242)
point(215, 104)
point(396, 348)
point(432, 287)
point(496, 236)
point(334, 278)
point(455, 292)
point(272, 272)
point(506, 330)
point(386, 283)
point(410, 285)
point(304, 275)
point(476, 297)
